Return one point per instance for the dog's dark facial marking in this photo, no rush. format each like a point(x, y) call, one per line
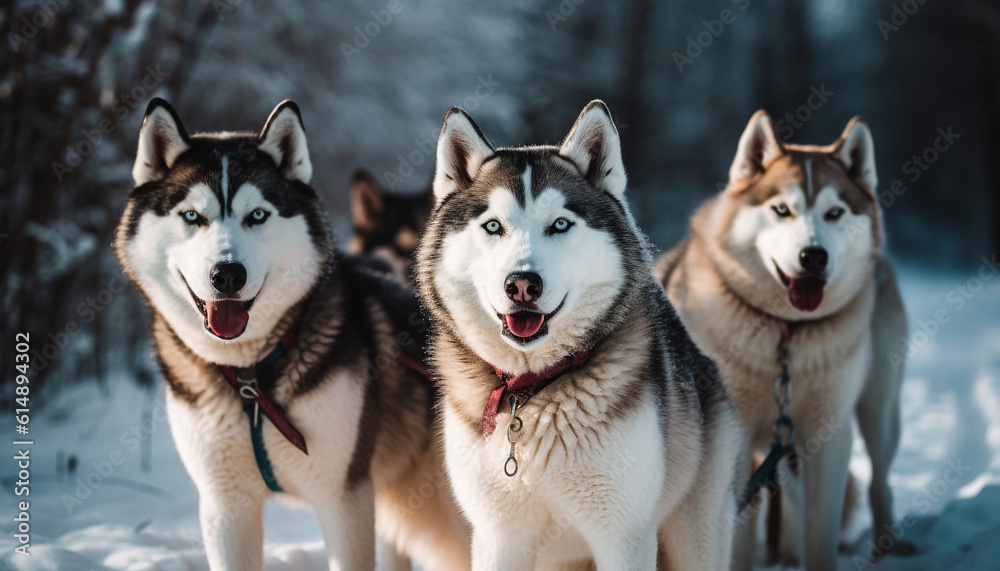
point(202, 164)
point(789, 170)
point(548, 170)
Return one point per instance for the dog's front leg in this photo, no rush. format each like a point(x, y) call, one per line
point(388, 558)
point(347, 521)
point(879, 422)
point(233, 531)
point(824, 482)
point(503, 548)
point(625, 551)
point(792, 502)
point(699, 533)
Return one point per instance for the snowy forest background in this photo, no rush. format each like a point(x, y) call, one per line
point(373, 80)
point(71, 70)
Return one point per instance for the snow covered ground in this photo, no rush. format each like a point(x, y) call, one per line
point(113, 512)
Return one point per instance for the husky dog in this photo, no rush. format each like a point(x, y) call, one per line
point(793, 248)
point(289, 365)
point(387, 225)
point(539, 287)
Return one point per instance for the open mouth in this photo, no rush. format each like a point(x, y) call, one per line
point(526, 326)
point(225, 318)
point(805, 293)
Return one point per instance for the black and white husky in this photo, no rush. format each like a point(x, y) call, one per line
point(582, 426)
point(290, 367)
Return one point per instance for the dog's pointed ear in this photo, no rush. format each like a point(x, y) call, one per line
point(284, 139)
point(594, 147)
point(367, 203)
point(758, 147)
point(461, 150)
point(162, 139)
point(856, 150)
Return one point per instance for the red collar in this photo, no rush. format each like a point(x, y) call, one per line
point(267, 406)
point(527, 384)
point(252, 394)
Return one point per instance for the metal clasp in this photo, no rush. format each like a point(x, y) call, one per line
point(783, 386)
point(514, 435)
point(249, 392)
point(784, 428)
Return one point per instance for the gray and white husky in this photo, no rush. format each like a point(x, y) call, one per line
point(290, 367)
point(616, 444)
point(793, 248)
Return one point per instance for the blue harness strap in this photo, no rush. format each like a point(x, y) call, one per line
point(248, 376)
point(260, 453)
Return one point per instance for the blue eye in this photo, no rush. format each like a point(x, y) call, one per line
point(191, 217)
point(257, 217)
point(833, 214)
point(560, 225)
point(493, 227)
point(781, 210)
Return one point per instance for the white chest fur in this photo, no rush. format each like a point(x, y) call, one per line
point(213, 439)
point(571, 473)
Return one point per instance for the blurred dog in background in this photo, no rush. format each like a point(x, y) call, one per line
point(387, 225)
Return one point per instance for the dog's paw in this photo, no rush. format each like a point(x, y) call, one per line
point(900, 548)
point(784, 557)
point(903, 548)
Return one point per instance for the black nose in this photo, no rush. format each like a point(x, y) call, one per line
point(813, 259)
point(523, 287)
point(229, 278)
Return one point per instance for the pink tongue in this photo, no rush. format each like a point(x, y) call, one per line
point(525, 323)
point(228, 318)
point(805, 293)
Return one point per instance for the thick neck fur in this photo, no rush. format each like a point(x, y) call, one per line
point(616, 362)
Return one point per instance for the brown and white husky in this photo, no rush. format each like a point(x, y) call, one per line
point(794, 247)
